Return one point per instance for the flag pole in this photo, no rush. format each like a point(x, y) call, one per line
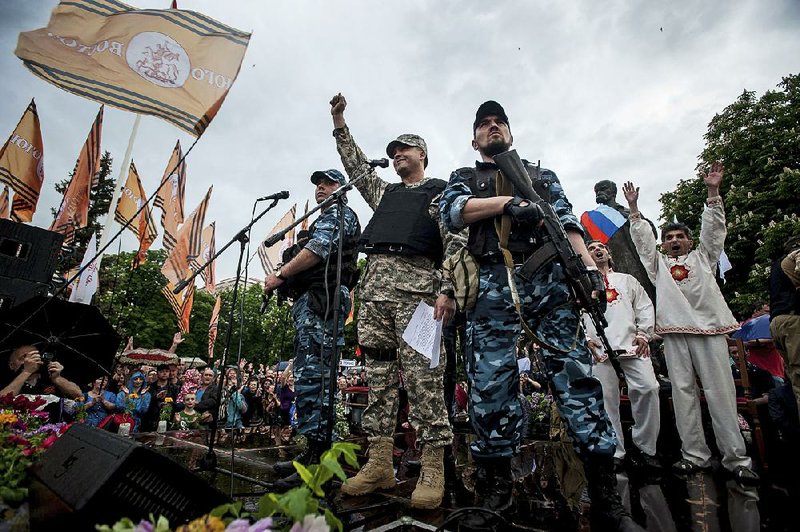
point(112, 208)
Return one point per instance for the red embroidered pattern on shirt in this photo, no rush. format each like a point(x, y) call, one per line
point(679, 272)
point(611, 295)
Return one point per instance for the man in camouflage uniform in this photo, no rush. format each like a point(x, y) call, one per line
point(550, 313)
point(404, 245)
point(308, 276)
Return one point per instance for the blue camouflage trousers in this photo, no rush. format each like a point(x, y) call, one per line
point(493, 329)
point(312, 364)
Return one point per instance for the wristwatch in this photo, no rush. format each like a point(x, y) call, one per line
point(278, 273)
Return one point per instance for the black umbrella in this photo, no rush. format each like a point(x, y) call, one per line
point(77, 335)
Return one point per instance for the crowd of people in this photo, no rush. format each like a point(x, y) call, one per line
point(254, 400)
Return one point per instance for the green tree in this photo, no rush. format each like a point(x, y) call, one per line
point(266, 338)
point(758, 140)
point(132, 300)
point(99, 201)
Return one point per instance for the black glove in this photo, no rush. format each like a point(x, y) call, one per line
point(528, 214)
point(599, 286)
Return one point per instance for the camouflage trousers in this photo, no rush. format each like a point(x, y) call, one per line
point(312, 365)
point(493, 328)
point(380, 327)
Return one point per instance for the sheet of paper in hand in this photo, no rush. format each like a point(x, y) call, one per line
point(424, 334)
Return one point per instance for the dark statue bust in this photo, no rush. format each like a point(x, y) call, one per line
point(605, 192)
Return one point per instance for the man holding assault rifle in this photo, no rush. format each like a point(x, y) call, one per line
point(535, 274)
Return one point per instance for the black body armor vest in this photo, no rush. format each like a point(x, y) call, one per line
point(483, 239)
point(401, 224)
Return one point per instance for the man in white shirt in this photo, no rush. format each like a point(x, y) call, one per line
point(631, 318)
point(693, 319)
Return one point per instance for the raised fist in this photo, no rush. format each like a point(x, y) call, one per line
point(338, 104)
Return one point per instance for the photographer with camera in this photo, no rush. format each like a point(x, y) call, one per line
point(22, 374)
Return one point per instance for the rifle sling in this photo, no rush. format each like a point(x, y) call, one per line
point(546, 253)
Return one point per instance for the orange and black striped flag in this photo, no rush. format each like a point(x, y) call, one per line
point(74, 210)
point(212, 328)
point(305, 224)
point(170, 196)
point(187, 247)
point(177, 65)
point(4, 211)
point(191, 232)
point(272, 256)
point(130, 201)
point(207, 250)
point(178, 264)
point(181, 304)
point(22, 164)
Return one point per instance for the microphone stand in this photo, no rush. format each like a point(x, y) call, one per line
point(209, 461)
point(337, 196)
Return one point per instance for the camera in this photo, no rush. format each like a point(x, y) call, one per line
point(47, 356)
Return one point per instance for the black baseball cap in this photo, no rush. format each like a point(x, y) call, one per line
point(489, 108)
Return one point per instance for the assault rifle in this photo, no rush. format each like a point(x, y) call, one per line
point(554, 245)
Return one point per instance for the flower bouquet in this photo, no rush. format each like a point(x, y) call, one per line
point(24, 434)
point(166, 410)
point(537, 415)
point(113, 421)
point(80, 410)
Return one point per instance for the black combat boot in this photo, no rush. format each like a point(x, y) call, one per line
point(455, 489)
point(499, 496)
point(494, 485)
point(309, 455)
point(606, 512)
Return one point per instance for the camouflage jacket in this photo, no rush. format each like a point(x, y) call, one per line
point(393, 277)
point(326, 231)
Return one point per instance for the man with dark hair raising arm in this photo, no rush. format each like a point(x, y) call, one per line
point(693, 318)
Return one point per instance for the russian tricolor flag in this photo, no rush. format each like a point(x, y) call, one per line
point(602, 222)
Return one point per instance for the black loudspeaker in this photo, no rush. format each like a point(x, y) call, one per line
point(28, 258)
point(91, 476)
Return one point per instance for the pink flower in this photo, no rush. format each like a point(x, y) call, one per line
point(144, 526)
point(239, 525)
point(50, 440)
point(17, 440)
point(311, 524)
point(262, 525)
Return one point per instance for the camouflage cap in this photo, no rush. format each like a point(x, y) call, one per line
point(331, 175)
point(408, 139)
point(489, 108)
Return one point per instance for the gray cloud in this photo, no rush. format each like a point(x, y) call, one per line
point(593, 89)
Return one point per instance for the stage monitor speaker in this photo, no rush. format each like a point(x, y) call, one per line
point(90, 476)
point(27, 253)
point(15, 291)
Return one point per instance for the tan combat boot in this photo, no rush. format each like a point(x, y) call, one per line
point(430, 486)
point(377, 473)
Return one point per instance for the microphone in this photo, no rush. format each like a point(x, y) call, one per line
point(383, 163)
point(278, 195)
point(180, 286)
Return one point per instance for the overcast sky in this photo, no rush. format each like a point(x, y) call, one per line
point(597, 90)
